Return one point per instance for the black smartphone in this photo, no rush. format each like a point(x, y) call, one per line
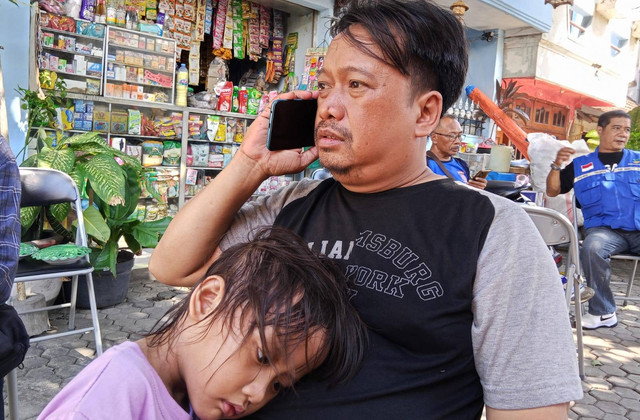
point(292, 124)
point(481, 174)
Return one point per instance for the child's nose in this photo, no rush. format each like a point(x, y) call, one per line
point(259, 387)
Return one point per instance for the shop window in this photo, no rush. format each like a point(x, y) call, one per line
point(525, 107)
point(579, 21)
point(542, 116)
point(559, 118)
point(617, 43)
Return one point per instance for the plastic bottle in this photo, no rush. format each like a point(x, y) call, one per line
point(182, 81)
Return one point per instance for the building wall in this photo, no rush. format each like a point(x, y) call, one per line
point(572, 62)
point(14, 37)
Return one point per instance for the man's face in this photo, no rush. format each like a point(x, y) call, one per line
point(447, 137)
point(614, 137)
point(366, 122)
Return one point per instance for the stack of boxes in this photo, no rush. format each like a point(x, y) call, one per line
point(83, 115)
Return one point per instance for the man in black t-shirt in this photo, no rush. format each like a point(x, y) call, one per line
point(606, 187)
point(456, 319)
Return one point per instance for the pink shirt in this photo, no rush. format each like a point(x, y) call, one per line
point(120, 384)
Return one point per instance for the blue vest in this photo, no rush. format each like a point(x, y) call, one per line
point(609, 196)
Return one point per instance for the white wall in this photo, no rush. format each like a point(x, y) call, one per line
point(14, 37)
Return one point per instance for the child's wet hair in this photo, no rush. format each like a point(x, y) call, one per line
point(276, 281)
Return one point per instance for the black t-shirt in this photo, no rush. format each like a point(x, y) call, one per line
point(412, 288)
point(567, 174)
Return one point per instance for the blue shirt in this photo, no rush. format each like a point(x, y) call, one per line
point(9, 219)
point(457, 167)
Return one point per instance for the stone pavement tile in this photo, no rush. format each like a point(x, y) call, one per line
point(605, 395)
point(627, 393)
point(56, 351)
point(630, 403)
point(61, 361)
point(588, 411)
point(145, 325)
point(612, 371)
point(633, 415)
point(69, 371)
point(597, 383)
point(609, 416)
point(622, 382)
point(611, 407)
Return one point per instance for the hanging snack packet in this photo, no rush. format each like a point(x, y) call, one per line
point(221, 135)
point(226, 94)
point(212, 126)
point(152, 152)
point(240, 129)
point(171, 153)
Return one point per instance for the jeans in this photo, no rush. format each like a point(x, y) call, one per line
point(598, 246)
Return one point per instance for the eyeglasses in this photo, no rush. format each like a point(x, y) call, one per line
point(451, 137)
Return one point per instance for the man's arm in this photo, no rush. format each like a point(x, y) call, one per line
point(552, 412)
point(189, 244)
point(553, 179)
point(520, 318)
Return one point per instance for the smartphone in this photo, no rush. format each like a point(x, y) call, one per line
point(292, 124)
point(481, 174)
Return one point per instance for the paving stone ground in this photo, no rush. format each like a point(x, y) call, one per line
point(612, 356)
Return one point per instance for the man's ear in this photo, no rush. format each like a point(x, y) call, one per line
point(206, 297)
point(599, 131)
point(430, 108)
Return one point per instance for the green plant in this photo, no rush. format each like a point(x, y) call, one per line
point(109, 181)
point(634, 140)
point(42, 109)
point(506, 96)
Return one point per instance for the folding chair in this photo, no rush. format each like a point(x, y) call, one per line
point(556, 229)
point(628, 257)
point(43, 187)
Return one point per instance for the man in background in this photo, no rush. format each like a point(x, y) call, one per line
point(445, 143)
point(606, 187)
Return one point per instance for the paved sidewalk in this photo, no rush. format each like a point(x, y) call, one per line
point(612, 383)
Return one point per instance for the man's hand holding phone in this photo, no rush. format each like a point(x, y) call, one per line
point(254, 145)
point(479, 180)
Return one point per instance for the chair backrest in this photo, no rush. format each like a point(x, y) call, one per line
point(44, 187)
point(555, 229)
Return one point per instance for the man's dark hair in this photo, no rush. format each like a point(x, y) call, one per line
point(605, 118)
point(275, 280)
point(420, 39)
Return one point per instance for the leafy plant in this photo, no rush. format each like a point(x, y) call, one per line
point(506, 96)
point(110, 181)
point(634, 140)
point(41, 108)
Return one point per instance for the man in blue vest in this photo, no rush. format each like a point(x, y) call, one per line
point(607, 187)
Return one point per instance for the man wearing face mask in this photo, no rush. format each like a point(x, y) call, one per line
point(606, 186)
point(445, 143)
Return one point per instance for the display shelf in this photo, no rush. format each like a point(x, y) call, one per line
point(142, 50)
point(73, 74)
point(140, 84)
point(204, 168)
point(120, 63)
point(138, 136)
point(153, 78)
point(162, 167)
point(71, 130)
point(77, 35)
point(62, 50)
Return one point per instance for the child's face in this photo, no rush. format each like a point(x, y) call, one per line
point(239, 380)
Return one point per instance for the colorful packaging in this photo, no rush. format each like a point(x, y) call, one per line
point(171, 153)
point(134, 122)
point(226, 94)
point(152, 153)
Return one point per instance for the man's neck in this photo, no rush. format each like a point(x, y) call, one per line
point(443, 158)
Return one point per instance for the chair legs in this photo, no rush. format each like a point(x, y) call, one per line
point(12, 394)
point(94, 313)
point(72, 302)
point(631, 278)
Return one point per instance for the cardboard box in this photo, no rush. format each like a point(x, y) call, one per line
point(101, 120)
point(87, 125)
point(80, 106)
point(135, 122)
point(94, 69)
point(93, 86)
point(78, 125)
point(87, 116)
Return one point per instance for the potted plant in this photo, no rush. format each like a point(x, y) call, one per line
point(109, 182)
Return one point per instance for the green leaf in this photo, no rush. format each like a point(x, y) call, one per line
point(121, 213)
point(596, 362)
point(30, 162)
point(134, 245)
point(80, 178)
point(105, 257)
point(148, 233)
point(81, 141)
point(106, 178)
point(60, 211)
point(62, 160)
point(28, 215)
point(95, 225)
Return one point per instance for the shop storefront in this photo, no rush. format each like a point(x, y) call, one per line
point(173, 83)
